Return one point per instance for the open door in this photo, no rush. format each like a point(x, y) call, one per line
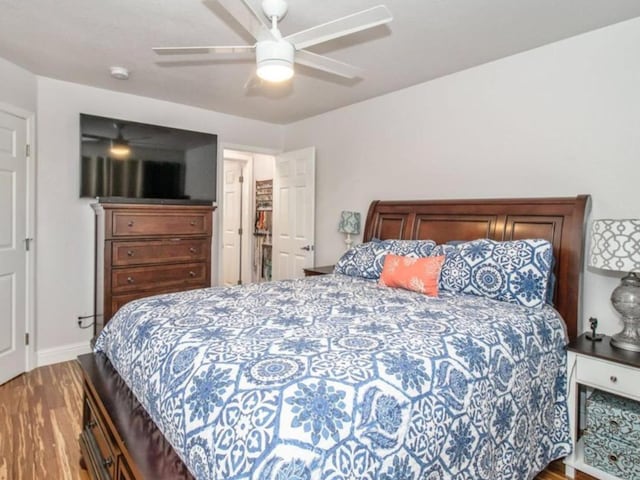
point(13, 245)
point(294, 213)
point(232, 223)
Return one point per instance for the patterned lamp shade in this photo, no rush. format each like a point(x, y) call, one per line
point(349, 222)
point(615, 245)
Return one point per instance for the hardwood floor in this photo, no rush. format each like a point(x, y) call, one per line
point(40, 421)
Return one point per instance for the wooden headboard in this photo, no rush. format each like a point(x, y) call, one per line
point(559, 220)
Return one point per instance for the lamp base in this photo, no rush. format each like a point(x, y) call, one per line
point(627, 339)
point(626, 300)
point(348, 241)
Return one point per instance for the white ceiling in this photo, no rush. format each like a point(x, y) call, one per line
point(77, 41)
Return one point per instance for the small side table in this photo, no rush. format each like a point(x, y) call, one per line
point(597, 365)
point(313, 271)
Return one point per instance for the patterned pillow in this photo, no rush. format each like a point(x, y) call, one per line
point(364, 260)
point(367, 259)
point(410, 248)
point(516, 271)
point(411, 273)
point(443, 249)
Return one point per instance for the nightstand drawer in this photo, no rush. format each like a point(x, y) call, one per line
point(314, 271)
point(611, 456)
point(609, 376)
point(614, 417)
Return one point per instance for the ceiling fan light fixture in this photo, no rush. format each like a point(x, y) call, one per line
point(119, 148)
point(275, 60)
point(275, 70)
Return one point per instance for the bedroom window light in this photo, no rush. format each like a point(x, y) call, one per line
point(350, 225)
point(615, 246)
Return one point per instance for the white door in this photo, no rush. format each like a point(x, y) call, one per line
point(294, 213)
point(13, 257)
point(231, 223)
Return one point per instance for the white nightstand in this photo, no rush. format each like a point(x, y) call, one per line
point(597, 365)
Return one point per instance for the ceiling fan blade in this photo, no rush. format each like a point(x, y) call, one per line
point(253, 82)
point(203, 49)
point(94, 138)
point(249, 18)
point(326, 64)
point(356, 22)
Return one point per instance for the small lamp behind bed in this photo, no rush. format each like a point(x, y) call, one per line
point(615, 246)
point(349, 224)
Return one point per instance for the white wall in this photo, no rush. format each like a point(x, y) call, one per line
point(65, 227)
point(17, 86)
point(556, 121)
point(263, 166)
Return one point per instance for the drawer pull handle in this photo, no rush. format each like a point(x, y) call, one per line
point(130, 224)
point(193, 223)
point(130, 280)
point(130, 253)
point(613, 379)
point(615, 426)
point(192, 250)
point(613, 457)
point(192, 274)
point(108, 462)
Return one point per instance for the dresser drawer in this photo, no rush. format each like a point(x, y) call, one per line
point(123, 470)
point(118, 301)
point(609, 376)
point(129, 224)
point(97, 438)
point(157, 277)
point(125, 253)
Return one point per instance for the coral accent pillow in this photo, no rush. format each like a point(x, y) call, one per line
point(416, 274)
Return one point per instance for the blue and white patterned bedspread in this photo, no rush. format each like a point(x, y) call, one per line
point(335, 377)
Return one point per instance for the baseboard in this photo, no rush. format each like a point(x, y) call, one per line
point(64, 353)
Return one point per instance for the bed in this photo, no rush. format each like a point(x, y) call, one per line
point(338, 377)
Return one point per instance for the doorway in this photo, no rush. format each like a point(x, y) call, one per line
point(268, 218)
point(246, 218)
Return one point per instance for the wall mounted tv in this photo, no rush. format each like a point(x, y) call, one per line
point(131, 161)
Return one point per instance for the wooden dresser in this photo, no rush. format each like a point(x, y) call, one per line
point(144, 250)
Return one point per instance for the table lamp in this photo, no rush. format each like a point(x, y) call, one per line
point(615, 246)
point(349, 224)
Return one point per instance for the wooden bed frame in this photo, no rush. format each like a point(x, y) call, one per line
point(120, 441)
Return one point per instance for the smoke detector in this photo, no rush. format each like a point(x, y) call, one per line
point(121, 73)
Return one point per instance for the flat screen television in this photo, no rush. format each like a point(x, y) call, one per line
point(131, 161)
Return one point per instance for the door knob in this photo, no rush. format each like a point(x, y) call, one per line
point(308, 248)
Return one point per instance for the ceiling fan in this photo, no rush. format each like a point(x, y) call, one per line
point(275, 54)
point(119, 146)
